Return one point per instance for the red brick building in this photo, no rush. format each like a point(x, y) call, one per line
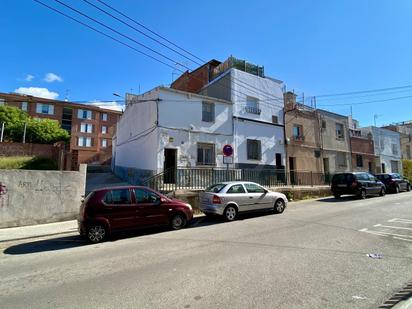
point(91, 128)
point(194, 81)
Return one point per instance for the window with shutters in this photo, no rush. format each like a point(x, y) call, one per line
point(47, 109)
point(254, 149)
point(84, 114)
point(86, 128)
point(208, 112)
point(84, 141)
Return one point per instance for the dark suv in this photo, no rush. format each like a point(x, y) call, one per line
point(394, 182)
point(360, 184)
point(123, 208)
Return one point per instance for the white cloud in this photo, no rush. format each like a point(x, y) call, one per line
point(37, 92)
point(29, 78)
point(51, 77)
point(116, 106)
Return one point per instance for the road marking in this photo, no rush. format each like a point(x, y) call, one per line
point(391, 234)
point(397, 220)
point(393, 227)
point(402, 238)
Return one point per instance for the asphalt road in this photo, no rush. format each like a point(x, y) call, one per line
point(312, 256)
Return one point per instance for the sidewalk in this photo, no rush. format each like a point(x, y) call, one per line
point(40, 230)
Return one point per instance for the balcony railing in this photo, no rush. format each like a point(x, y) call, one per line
point(299, 138)
point(252, 110)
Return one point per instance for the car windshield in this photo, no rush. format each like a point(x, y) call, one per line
point(342, 178)
point(216, 188)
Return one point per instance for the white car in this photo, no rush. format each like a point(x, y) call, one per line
point(230, 198)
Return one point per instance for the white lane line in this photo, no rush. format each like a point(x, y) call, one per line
point(402, 238)
point(394, 227)
point(391, 234)
point(400, 221)
point(363, 230)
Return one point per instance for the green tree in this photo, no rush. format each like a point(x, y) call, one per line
point(42, 131)
point(407, 169)
point(14, 120)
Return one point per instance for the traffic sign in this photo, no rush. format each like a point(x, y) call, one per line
point(227, 150)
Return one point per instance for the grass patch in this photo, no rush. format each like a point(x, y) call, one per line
point(27, 163)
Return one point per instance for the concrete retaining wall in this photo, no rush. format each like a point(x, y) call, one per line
point(31, 197)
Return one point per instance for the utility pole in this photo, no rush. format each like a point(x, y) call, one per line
point(24, 132)
point(2, 132)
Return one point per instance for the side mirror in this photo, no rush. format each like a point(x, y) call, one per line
point(162, 200)
point(266, 191)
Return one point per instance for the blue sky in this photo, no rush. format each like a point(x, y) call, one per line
point(315, 47)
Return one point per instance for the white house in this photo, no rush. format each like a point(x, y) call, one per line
point(258, 119)
point(167, 128)
point(387, 149)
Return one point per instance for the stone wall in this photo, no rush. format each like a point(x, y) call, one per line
point(31, 197)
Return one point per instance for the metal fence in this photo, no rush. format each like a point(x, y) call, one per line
point(200, 178)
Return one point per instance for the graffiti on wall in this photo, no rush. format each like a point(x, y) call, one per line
point(4, 199)
point(42, 186)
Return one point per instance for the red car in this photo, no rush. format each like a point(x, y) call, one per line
point(107, 210)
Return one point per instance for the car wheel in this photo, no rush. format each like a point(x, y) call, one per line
point(336, 195)
point(97, 233)
point(230, 213)
point(363, 194)
point(408, 188)
point(383, 192)
point(279, 206)
point(397, 189)
point(178, 222)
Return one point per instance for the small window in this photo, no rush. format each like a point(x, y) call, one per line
point(208, 112)
point(104, 117)
point(341, 159)
point(235, 189)
point(24, 106)
point(118, 197)
point(104, 129)
point(84, 141)
point(323, 124)
point(297, 132)
point(359, 160)
point(395, 149)
point(340, 134)
point(206, 154)
point(84, 114)
point(254, 149)
point(253, 188)
point(2, 102)
point(252, 105)
point(47, 109)
point(275, 119)
point(86, 128)
point(144, 196)
point(104, 143)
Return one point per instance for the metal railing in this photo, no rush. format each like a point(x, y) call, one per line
point(199, 178)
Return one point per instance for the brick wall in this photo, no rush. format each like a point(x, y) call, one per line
point(29, 150)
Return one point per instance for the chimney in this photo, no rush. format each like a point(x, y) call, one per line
point(289, 99)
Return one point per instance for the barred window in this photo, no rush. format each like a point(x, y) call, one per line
point(205, 154)
point(208, 112)
point(359, 161)
point(254, 149)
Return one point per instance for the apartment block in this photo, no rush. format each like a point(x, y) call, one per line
point(91, 128)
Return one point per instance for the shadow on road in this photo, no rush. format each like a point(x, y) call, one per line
point(53, 244)
point(67, 242)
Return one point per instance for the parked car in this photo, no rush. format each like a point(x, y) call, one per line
point(360, 184)
point(394, 182)
point(230, 198)
point(107, 210)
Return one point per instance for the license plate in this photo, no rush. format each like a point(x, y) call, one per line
point(342, 186)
